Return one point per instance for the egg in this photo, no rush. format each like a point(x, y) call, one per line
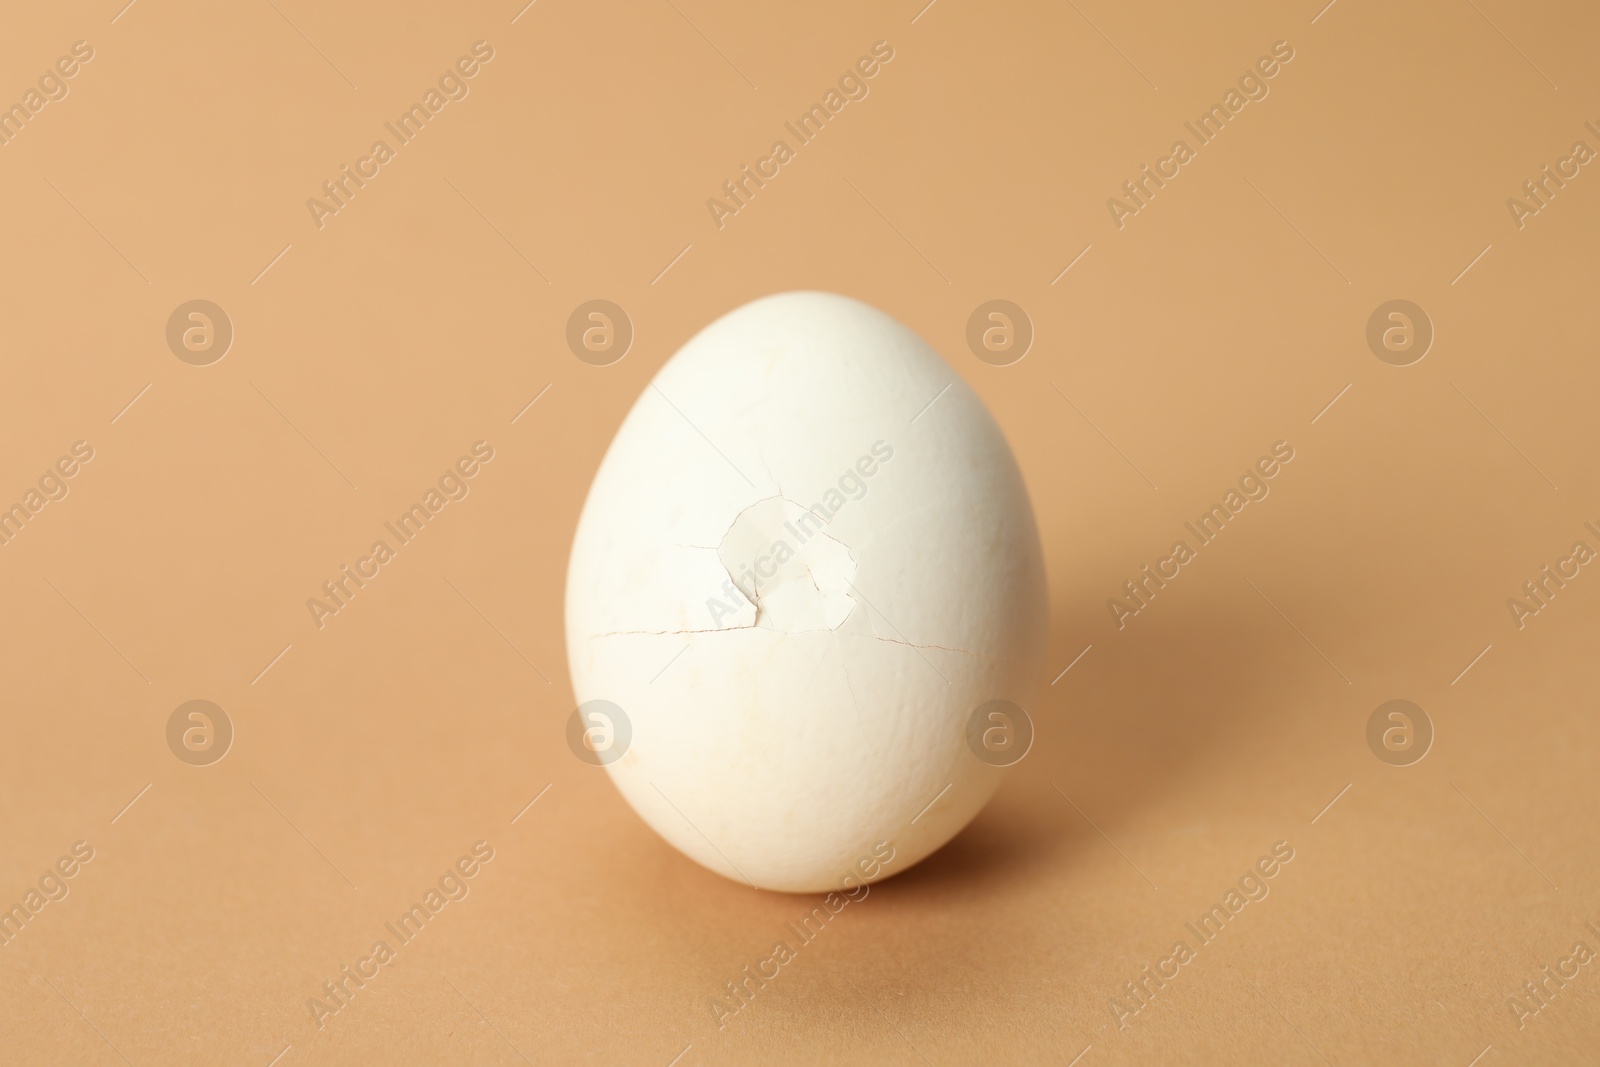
point(806, 605)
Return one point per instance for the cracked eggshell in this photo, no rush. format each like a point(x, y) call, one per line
point(798, 579)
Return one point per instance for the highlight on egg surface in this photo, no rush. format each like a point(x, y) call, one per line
point(807, 587)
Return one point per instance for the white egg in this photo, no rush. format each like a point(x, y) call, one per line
point(806, 567)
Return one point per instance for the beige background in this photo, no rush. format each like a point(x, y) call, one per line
point(424, 717)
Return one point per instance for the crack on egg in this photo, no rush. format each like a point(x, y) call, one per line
point(844, 669)
point(752, 626)
point(784, 572)
point(941, 648)
point(668, 633)
point(780, 561)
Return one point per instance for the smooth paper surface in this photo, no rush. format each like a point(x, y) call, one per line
point(1287, 312)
